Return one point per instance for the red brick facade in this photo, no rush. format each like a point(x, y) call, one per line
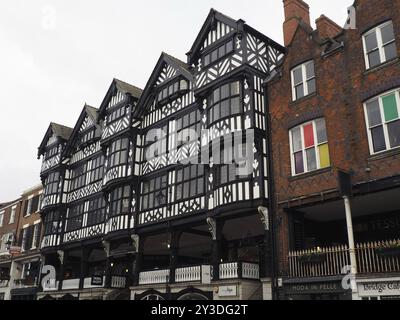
point(343, 85)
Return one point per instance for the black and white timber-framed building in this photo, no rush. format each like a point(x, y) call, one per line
point(130, 207)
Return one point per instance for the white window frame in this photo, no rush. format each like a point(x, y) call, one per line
point(13, 215)
point(23, 240)
point(35, 234)
point(304, 78)
point(2, 214)
point(384, 123)
point(303, 148)
point(378, 33)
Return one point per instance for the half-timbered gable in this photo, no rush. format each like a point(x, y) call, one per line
point(224, 45)
point(169, 112)
point(117, 108)
point(85, 202)
point(122, 158)
point(52, 174)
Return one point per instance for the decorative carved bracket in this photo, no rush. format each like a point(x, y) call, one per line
point(264, 217)
point(135, 242)
point(212, 227)
point(61, 256)
point(106, 246)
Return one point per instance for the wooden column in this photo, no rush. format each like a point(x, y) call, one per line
point(84, 265)
point(138, 260)
point(173, 254)
point(266, 258)
point(62, 256)
point(215, 228)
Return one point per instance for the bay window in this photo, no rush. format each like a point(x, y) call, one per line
point(379, 45)
point(189, 182)
point(187, 123)
point(118, 153)
point(75, 217)
point(383, 121)
point(309, 147)
point(96, 170)
point(224, 102)
point(51, 222)
point(156, 142)
point(119, 201)
point(303, 80)
point(96, 211)
point(51, 183)
point(154, 192)
point(78, 176)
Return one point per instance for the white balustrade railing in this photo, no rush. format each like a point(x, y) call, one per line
point(118, 282)
point(228, 270)
point(250, 270)
point(188, 274)
point(154, 277)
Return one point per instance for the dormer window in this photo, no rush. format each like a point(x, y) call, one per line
point(218, 53)
point(173, 89)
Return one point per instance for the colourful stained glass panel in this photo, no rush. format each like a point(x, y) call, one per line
point(390, 107)
point(308, 135)
point(324, 158)
point(299, 162)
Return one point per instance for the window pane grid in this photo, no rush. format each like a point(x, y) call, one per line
point(303, 80)
point(379, 45)
point(311, 155)
point(386, 135)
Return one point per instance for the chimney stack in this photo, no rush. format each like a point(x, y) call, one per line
point(326, 27)
point(295, 11)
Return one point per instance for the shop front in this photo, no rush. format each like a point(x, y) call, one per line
point(379, 288)
point(315, 289)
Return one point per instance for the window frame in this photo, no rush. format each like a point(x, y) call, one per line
point(304, 149)
point(96, 212)
point(208, 60)
point(78, 180)
point(72, 222)
point(117, 198)
point(192, 178)
point(304, 79)
point(181, 128)
point(122, 150)
point(381, 46)
point(214, 103)
point(384, 123)
point(2, 214)
point(49, 219)
point(52, 183)
point(12, 215)
point(154, 192)
point(96, 171)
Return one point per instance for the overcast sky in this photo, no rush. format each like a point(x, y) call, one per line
point(57, 55)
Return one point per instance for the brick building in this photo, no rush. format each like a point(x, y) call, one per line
point(20, 235)
point(334, 107)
